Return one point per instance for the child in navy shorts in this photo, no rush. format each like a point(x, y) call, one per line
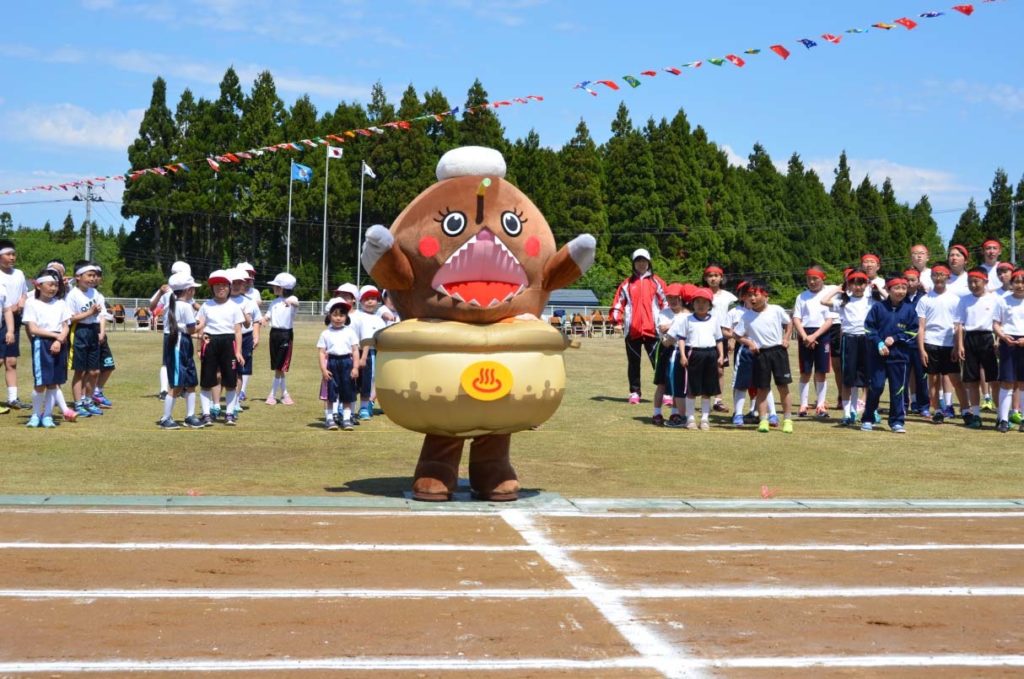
point(179, 327)
point(338, 346)
point(47, 318)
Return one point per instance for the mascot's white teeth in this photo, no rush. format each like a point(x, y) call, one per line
point(483, 273)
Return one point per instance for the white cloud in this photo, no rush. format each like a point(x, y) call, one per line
point(734, 158)
point(1009, 98)
point(909, 182)
point(70, 125)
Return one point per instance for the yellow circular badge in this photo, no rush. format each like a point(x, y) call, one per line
point(486, 380)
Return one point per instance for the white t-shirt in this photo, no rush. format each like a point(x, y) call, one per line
point(220, 318)
point(15, 285)
point(664, 322)
point(248, 307)
point(957, 284)
point(369, 324)
point(357, 321)
point(938, 312)
point(766, 327)
point(993, 276)
point(879, 284)
point(697, 333)
point(809, 309)
point(51, 316)
point(79, 300)
point(976, 313)
point(184, 316)
point(338, 341)
point(925, 277)
point(1010, 313)
point(720, 303)
point(853, 314)
point(281, 315)
point(254, 296)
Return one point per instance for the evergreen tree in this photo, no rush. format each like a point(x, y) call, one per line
point(769, 238)
point(872, 216)
point(443, 130)
point(853, 239)
point(895, 240)
point(923, 228)
point(584, 204)
point(538, 173)
point(811, 215)
point(629, 190)
point(6, 224)
point(67, 232)
point(480, 127)
point(968, 229)
point(996, 222)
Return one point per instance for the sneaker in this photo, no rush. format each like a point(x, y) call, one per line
point(675, 421)
point(364, 413)
point(241, 396)
point(658, 420)
point(193, 422)
point(751, 418)
point(168, 424)
point(162, 395)
point(705, 425)
point(948, 412)
point(330, 425)
point(763, 427)
point(17, 404)
point(719, 406)
point(691, 422)
point(207, 420)
point(287, 400)
point(802, 412)
point(1021, 429)
point(898, 429)
point(215, 412)
point(822, 413)
point(848, 421)
point(92, 408)
point(866, 426)
point(70, 415)
point(925, 412)
point(33, 422)
point(974, 422)
point(82, 411)
point(737, 420)
point(48, 422)
point(914, 410)
point(102, 401)
point(1015, 417)
point(346, 424)
point(986, 404)
point(1002, 426)
point(634, 398)
point(773, 421)
point(230, 420)
point(787, 426)
point(667, 401)
point(271, 401)
point(938, 417)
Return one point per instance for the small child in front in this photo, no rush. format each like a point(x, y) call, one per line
point(701, 354)
point(338, 346)
point(974, 345)
point(281, 316)
point(47, 320)
point(891, 327)
point(766, 332)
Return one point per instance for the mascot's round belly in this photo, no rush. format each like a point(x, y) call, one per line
point(462, 379)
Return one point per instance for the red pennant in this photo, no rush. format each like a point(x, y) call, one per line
point(535, 97)
point(781, 51)
point(232, 157)
point(834, 39)
point(964, 9)
point(673, 70)
point(609, 83)
point(649, 73)
point(733, 59)
point(909, 24)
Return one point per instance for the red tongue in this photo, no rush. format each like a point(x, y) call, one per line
point(483, 292)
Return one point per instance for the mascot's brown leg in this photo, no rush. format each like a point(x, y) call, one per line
point(437, 472)
point(491, 475)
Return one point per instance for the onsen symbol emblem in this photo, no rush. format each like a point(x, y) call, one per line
point(486, 380)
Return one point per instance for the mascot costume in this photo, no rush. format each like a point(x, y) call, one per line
point(470, 264)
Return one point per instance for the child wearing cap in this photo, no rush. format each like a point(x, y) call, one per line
point(47, 318)
point(281, 317)
point(180, 325)
point(935, 339)
point(1008, 325)
point(220, 320)
point(722, 300)
point(891, 327)
point(813, 323)
point(369, 323)
point(974, 345)
point(700, 353)
point(338, 346)
point(88, 329)
point(666, 391)
point(766, 332)
point(852, 307)
point(16, 296)
point(250, 329)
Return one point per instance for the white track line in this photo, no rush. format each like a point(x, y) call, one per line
point(584, 587)
point(429, 547)
point(660, 653)
point(493, 664)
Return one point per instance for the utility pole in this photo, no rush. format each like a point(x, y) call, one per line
point(88, 222)
point(1013, 232)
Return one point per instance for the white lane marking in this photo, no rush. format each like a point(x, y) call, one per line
point(493, 664)
point(428, 547)
point(584, 587)
point(662, 655)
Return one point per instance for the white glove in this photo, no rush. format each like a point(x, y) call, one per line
point(378, 240)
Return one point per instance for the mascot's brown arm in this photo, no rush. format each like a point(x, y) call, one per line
point(569, 263)
point(384, 261)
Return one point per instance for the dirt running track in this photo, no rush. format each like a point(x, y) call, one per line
point(274, 593)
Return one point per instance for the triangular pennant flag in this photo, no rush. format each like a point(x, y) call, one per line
point(649, 74)
point(964, 9)
point(856, 30)
point(350, 133)
point(834, 39)
point(717, 61)
point(377, 130)
point(930, 15)
point(309, 142)
point(535, 97)
point(184, 167)
point(520, 100)
point(633, 82)
point(884, 26)
point(232, 157)
point(780, 50)
point(807, 42)
point(334, 137)
point(172, 168)
point(673, 70)
point(752, 50)
point(295, 146)
point(733, 59)
point(244, 154)
point(609, 83)
point(693, 64)
point(907, 23)
point(214, 165)
point(365, 133)
point(405, 124)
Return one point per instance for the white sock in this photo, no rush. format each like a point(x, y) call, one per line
point(771, 404)
point(821, 387)
point(976, 410)
point(705, 408)
point(277, 387)
point(1005, 400)
point(346, 413)
point(190, 403)
point(947, 399)
point(805, 391)
point(328, 414)
point(205, 398)
point(739, 398)
point(169, 406)
point(657, 409)
point(231, 401)
point(164, 384)
point(38, 399)
point(245, 381)
point(284, 386)
point(691, 405)
point(48, 402)
point(854, 397)
point(12, 393)
point(58, 398)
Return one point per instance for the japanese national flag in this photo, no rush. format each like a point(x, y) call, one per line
point(334, 151)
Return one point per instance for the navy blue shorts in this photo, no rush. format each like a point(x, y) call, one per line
point(662, 356)
point(743, 372)
point(818, 359)
point(341, 387)
point(106, 358)
point(366, 375)
point(677, 377)
point(180, 361)
point(1011, 362)
point(11, 350)
point(85, 347)
point(246, 354)
point(47, 367)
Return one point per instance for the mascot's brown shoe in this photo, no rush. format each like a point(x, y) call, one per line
point(437, 472)
point(491, 475)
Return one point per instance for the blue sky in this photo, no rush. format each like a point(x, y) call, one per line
point(937, 109)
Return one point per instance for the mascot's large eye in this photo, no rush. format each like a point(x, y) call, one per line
point(452, 223)
point(512, 223)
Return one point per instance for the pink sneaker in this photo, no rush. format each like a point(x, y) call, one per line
point(634, 398)
point(70, 415)
point(287, 400)
point(271, 401)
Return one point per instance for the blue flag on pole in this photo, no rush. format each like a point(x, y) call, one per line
point(301, 173)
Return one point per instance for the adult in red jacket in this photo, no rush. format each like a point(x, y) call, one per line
point(636, 305)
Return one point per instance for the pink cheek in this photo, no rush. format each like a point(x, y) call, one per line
point(533, 246)
point(429, 246)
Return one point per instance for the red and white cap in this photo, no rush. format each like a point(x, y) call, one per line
point(368, 291)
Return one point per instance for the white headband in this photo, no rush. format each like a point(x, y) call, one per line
point(86, 269)
point(46, 279)
point(7, 251)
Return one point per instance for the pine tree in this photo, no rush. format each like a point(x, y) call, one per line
point(480, 126)
point(812, 217)
point(923, 228)
point(852, 237)
point(872, 216)
point(769, 236)
point(896, 240)
point(996, 222)
point(538, 173)
point(968, 229)
point(585, 213)
point(629, 190)
point(443, 130)
point(67, 232)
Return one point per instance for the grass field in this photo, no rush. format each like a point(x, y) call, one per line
point(595, 446)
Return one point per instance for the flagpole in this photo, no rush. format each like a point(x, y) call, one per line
point(288, 242)
point(359, 242)
point(323, 265)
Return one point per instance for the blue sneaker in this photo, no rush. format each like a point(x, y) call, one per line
point(948, 412)
point(898, 429)
point(773, 420)
point(866, 426)
point(82, 411)
point(92, 408)
point(33, 422)
point(102, 401)
point(878, 418)
point(48, 422)
point(737, 420)
point(925, 412)
point(215, 412)
point(364, 413)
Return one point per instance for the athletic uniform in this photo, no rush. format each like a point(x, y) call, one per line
point(282, 334)
point(701, 337)
point(338, 343)
point(368, 325)
point(47, 368)
point(85, 333)
point(1010, 314)
point(813, 314)
point(900, 323)
point(766, 329)
point(218, 355)
point(938, 312)
point(15, 286)
point(178, 351)
point(975, 314)
point(253, 310)
point(853, 347)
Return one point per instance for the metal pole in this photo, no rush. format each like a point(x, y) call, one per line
point(323, 262)
point(1013, 232)
point(359, 242)
point(88, 222)
point(288, 242)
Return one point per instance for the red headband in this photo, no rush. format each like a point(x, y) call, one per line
point(1004, 265)
point(817, 273)
point(912, 272)
point(756, 289)
point(857, 275)
point(941, 268)
point(868, 256)
point(895, 281)
point(961, 249)
point(1017, 272)
point(992, 242)
point(714, 269)
point(978, 274)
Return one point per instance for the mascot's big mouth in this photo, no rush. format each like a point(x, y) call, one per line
point(483, 272)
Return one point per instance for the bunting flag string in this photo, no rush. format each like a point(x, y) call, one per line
point(779, 49)
point(216, 162)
